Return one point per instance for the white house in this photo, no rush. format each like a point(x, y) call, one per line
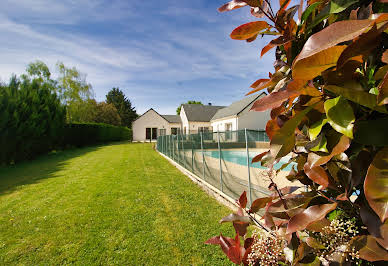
point(151, 124)
point(196, 118)
point(238, 116)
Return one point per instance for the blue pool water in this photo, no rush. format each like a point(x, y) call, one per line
point(240, 157)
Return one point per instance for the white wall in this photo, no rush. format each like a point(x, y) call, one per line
point(253, 120)
point(149, 119)
point(193, 126)
point(219, 124)
point(185, 121)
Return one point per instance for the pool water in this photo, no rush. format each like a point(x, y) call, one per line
point(240, 157)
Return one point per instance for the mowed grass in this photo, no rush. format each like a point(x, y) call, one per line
point(120, 204)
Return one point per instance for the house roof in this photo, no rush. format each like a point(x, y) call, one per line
point(200, 113)
point(237, 107)
point(168, 118)
point(172, 118)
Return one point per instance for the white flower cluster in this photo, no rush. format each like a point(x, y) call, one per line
point(267, 250)
point(335, 237)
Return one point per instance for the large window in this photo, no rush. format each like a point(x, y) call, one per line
point(151, 133)
point(154, 133)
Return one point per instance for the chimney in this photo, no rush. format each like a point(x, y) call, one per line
point(209, 104)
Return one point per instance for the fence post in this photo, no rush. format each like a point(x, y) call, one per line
point(249, 170)
point(184, 156)
point(177, 145)
point(219, 155)
point(169, 146)
point(192, 153)
point(203, 157)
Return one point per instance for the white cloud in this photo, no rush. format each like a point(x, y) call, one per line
point(156, 61)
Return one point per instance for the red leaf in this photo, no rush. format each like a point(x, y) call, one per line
point(294, 205)
point(334, 34)
point(317, 174)
point(259, 204)
point(258, 158)
point(284, 4)
point(242, 201)
point(308, 216)
point(376, 184)
point(384, 57)
point(257, 12)
point(224, 242)
point(248, 242)
point(249, 30)
point(343, 197)
point(276, 42)
point(342, 145)
point(318, 225)
point(271, 128)
point(371, 220)
point(369, 249)
point(232, 5)
point(363, 45)
point(236, 252)
point(240, 228)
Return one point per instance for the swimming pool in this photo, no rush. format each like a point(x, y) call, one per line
point(240, 157)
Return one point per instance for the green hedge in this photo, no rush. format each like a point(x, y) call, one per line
point(93, 133)
point(31, 119)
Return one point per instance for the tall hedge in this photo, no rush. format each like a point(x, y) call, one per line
point(31, 119)
point(94, 133)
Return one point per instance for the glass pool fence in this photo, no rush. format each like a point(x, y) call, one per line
point(223, 159)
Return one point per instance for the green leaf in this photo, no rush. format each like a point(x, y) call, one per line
point(283, 141)
point(322, 145)
point(316, 128)
point(308, 11)
point(371, 132)
point(337, 6)
point(340, 115)
point(360, 97)
point(376, 184)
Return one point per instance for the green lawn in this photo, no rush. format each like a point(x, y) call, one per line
point(117, 204)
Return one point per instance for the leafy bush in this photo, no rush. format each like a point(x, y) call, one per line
point(329, 96)
point(31, 119)
point(93, 133)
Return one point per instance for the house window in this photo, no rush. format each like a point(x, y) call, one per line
point(228, 127)
point(148, 133)
point(151, 133)
point(154, 133)
point(174, 131)
point(203, 129)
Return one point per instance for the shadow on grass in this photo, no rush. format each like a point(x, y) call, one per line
point(43, 167)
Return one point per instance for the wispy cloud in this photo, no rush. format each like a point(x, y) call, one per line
point(160, 54)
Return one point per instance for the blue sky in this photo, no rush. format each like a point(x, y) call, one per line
point(160, 53)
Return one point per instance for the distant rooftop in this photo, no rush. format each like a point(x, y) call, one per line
point(200, 113)
point(172, 118)
point(237, 107)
